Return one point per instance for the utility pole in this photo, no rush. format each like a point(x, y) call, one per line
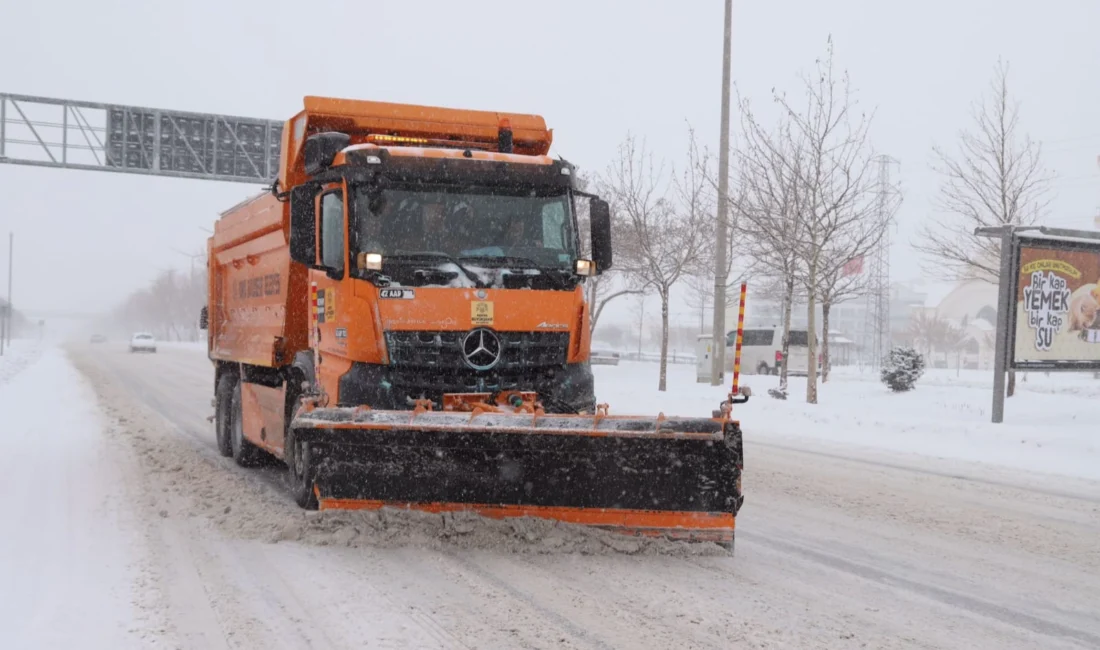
point(877, 322)
point(718, 336)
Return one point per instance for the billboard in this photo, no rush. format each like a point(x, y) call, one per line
point(1057, 305)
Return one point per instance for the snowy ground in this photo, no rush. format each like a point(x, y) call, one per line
point(70, 551)
point(127, 529)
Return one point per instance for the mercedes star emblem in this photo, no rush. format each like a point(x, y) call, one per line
point(481, 294)
point(482, 349)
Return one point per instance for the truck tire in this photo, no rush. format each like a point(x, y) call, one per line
point(299, 461)
point(223, 419)
point(763, 369)
point(300, 473)
point(244, 452)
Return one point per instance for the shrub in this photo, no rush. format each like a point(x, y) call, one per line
point(902, 369)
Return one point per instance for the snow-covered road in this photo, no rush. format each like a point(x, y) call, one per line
point(124, 513)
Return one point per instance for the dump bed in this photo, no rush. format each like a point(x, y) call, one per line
point(258, 311)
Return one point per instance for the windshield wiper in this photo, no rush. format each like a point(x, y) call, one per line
point(525, 262)
point(442, 256)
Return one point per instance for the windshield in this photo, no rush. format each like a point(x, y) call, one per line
point(480, 226)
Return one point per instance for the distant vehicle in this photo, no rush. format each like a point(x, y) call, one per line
point(143, 342)
point(98, 338)
point(604, 357)
point(762, 350)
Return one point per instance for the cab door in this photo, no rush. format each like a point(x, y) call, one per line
point(332, 287)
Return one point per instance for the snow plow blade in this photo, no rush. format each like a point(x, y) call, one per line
point(674, 477)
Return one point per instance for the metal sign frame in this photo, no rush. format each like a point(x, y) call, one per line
point(48, 132)
point(1012, 241)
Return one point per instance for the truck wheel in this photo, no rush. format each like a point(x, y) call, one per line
point(300, 472)
point(223, 419)
point(299, 461)
point(762, 369)
point(244, 452)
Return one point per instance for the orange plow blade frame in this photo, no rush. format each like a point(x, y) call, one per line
point(694, 526)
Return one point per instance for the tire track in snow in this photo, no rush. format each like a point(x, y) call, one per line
point(621, 596)
point(1062, 494)
point(526, 598)
point(167, 400)
point(941, 595)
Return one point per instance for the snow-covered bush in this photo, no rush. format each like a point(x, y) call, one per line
point(902, 369)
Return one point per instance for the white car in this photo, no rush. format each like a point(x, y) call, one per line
point(143, 342)
point(601, 357)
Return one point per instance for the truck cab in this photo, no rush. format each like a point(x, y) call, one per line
point(442, 255)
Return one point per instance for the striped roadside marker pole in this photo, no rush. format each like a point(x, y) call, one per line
point(740, 335)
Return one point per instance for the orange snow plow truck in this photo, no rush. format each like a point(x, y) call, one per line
point(402, 321)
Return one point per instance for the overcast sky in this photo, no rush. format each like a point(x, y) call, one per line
point(594, 69)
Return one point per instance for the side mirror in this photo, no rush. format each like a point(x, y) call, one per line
point(321, 148)
point(303, 225)
point(600, 218)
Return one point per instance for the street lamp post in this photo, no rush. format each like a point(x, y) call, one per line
point(718, 336)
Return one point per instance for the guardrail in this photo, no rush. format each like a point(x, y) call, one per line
point(655, 357)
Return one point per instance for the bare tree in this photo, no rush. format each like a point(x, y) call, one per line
point(934, 334)
point(926, 329)
point(169, 307)
point(699, 277)
point(841, 275)
point(953, 338)
point(663, 234)
point(699, 295)
point(612, 284)
point(840, 213)
point(768, 208)
point(637, 313)
point(838, 283)
point(698, 281)
point(997, 178)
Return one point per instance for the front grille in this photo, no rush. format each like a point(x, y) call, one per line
point(520, 351)
point(428, 364)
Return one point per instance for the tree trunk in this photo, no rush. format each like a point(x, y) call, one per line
point(811, 338)
point(825, 307)
point(788, 306)
point(664, 341)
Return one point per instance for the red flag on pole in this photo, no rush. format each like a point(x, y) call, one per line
point(854, 266)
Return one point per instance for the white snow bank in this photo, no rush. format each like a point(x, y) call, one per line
point(1050, 425)
point(16, 357)
point(67, 544)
